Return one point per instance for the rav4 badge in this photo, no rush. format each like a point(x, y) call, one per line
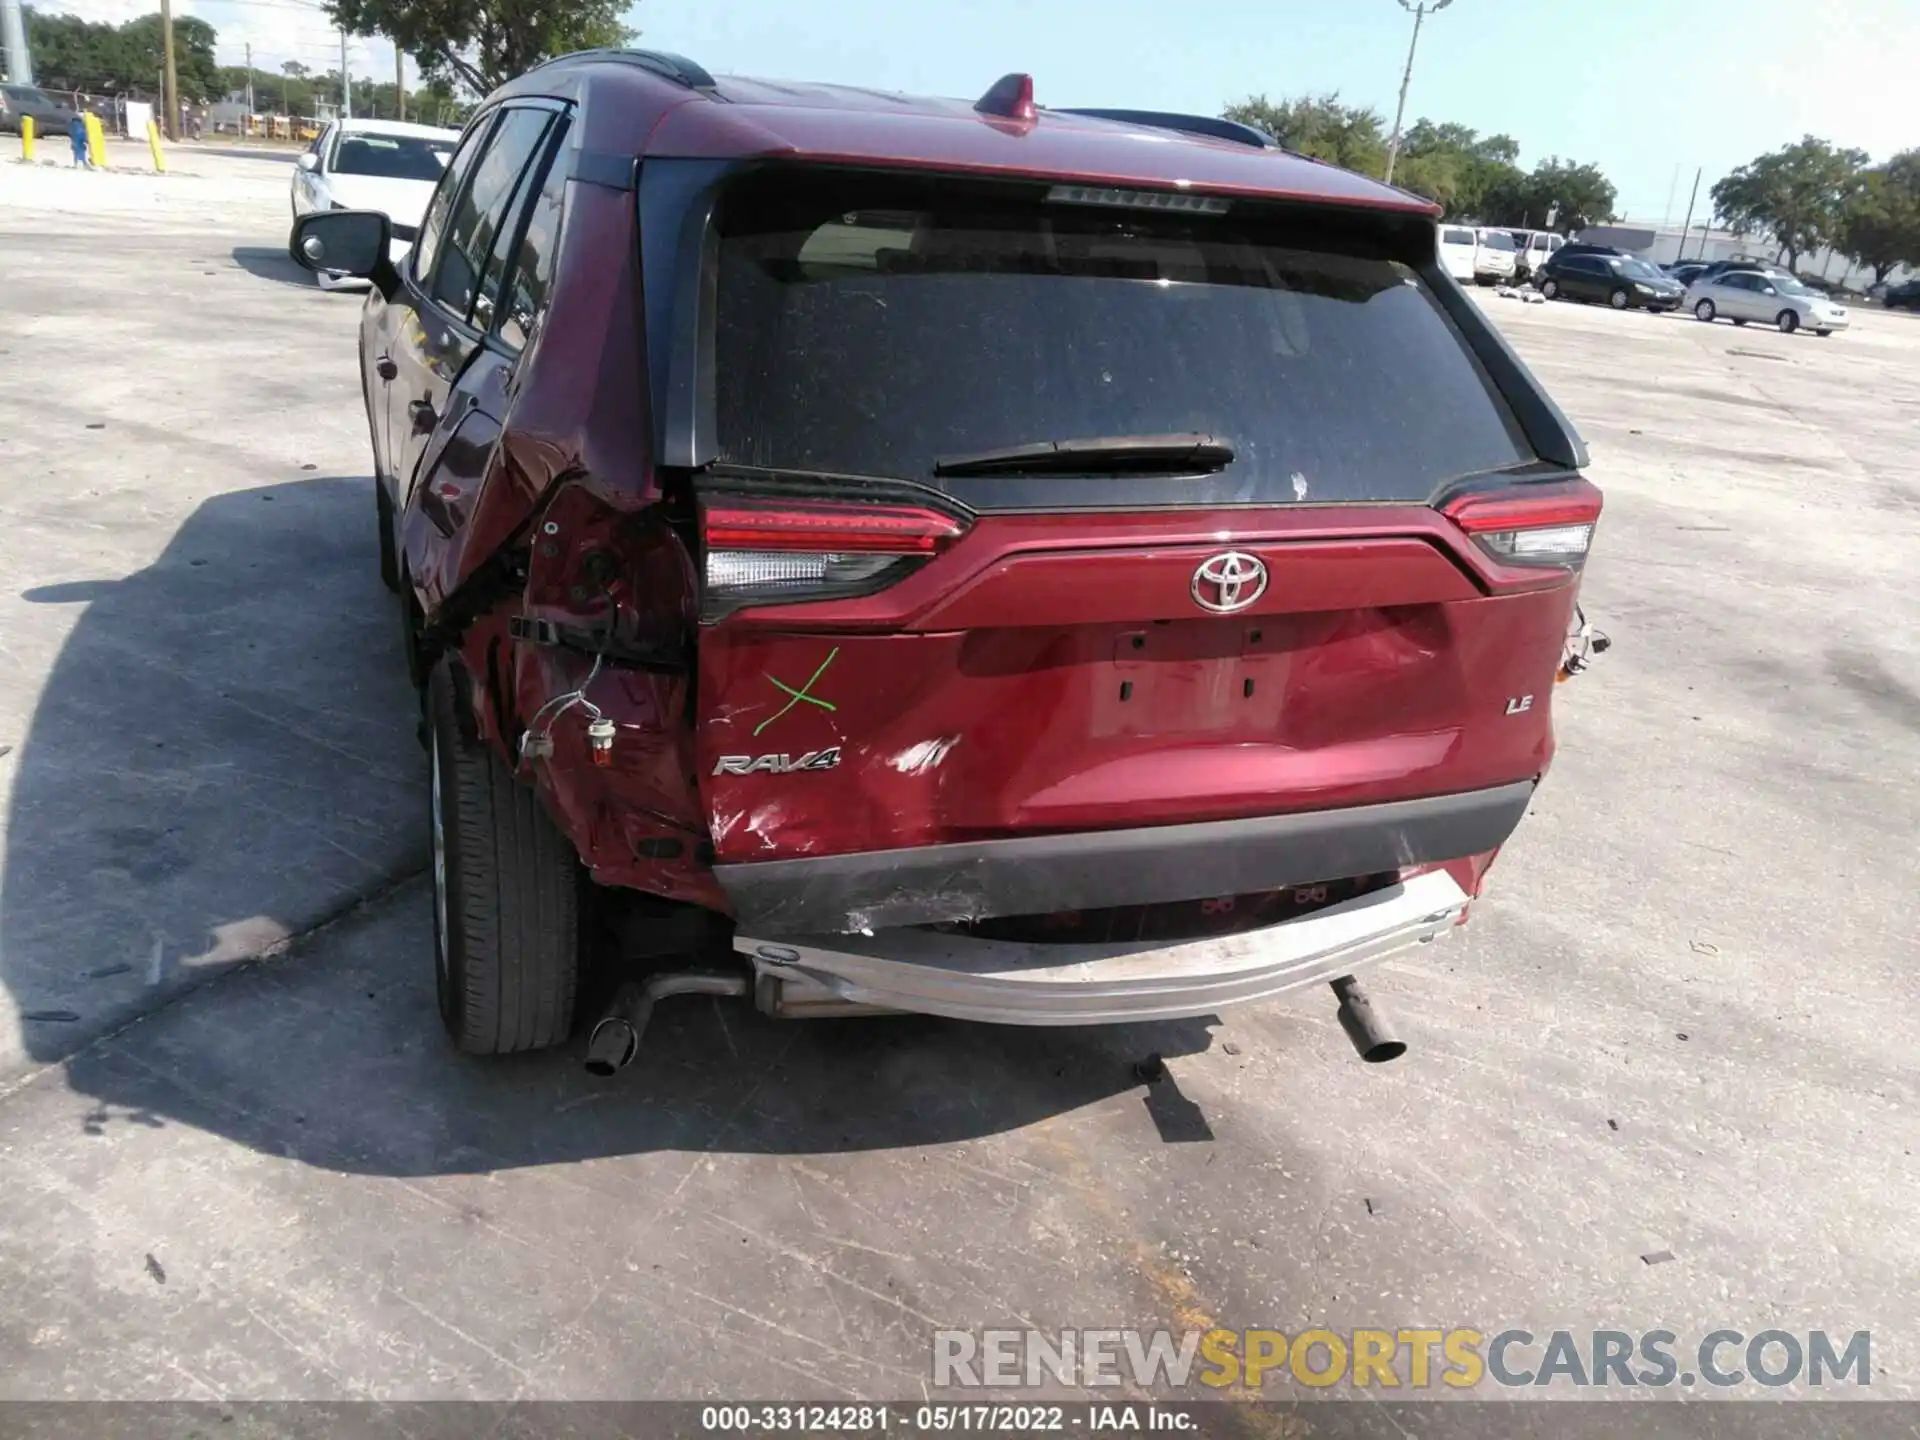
point(777, 764)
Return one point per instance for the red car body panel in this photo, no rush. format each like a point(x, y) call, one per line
point(836, 125)
point(1048, 673)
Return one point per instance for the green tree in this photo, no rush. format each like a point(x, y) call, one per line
point(194, 66)
point(1320, 126)
point(1575, 195)
point(1466, 173)
point(74, 54)
point(481, 44)
point(1456, 166)
point(1796, 195)
point(1879, 224)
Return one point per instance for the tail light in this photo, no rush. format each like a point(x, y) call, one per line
point(782, 552)
point(1549, 527)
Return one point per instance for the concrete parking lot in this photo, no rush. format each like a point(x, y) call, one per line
point(1666, 1078)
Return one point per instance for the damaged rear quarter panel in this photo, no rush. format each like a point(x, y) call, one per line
point(547, 459)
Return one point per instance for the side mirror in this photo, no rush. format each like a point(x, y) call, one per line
point(308, 160)
point(346, 242)
point(1772, 291)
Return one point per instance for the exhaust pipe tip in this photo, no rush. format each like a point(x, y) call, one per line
point(1373, 1039)
point(612, 1046)
point(615, 1039)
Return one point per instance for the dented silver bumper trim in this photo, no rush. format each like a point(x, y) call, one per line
point(1018, 983)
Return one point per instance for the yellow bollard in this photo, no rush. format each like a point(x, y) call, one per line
point(153, 144)
point(96, 142)
point(26, 138)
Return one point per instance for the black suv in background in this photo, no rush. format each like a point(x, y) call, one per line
point(1622, 281)
point(50, 117)
point(1904, 296)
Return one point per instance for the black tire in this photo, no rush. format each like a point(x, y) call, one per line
point(1787, 322)
point(506, 890)
point(1549, 289)
point(1618, 299)
point(1741, 324)
point(1823, 334)
point(383, 516)
point(1704, 311)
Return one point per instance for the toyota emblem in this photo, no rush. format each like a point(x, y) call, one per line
point(1230, 581)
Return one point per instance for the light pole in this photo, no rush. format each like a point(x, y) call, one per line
point(1419, 9)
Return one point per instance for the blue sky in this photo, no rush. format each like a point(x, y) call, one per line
point(1643, 88)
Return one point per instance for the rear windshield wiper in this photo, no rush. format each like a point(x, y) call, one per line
point(1108, 455)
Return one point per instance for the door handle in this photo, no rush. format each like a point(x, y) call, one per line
point(424, 415)
point(385, 368)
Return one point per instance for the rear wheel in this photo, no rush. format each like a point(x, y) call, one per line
point(1549, 288)
point(1823, 333)
point(1618, 299)
point(1787, 321)
point(1703, 311)
point(506, 895)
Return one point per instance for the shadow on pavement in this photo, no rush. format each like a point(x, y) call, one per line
point(265, 262)
point(221, 755)
point(224, 755)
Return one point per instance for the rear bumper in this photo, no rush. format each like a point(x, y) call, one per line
point(1012, 983)
point(1095, 870)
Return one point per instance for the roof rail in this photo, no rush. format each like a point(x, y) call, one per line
point(676, 68)
point(1209, 125)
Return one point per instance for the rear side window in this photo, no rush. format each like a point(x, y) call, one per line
point(434, 228)
point(873, 326)
point(525, 298)
point(484, 207)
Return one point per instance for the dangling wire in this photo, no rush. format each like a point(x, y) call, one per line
point(542, 743)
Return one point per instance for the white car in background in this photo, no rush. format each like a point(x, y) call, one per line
point(1494, 256)
point(1458, 245)
point(384, 165)
point(1772, 299)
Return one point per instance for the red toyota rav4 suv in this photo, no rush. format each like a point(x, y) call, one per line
point(1025, 565)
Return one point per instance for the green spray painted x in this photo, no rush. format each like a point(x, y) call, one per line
point(801, 693)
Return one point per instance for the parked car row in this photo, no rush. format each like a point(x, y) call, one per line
point(1488, 255)
point(1478, 255)
point(1743, 291)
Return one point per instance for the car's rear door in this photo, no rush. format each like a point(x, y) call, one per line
point(441, 314)
point(1230, 595)
point(1742, 297)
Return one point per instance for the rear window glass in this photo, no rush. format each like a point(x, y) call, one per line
point(872, 326)
point(392, 157)
point(1457, 237)
point(1497, 240)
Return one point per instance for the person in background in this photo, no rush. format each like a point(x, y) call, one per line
point(77, 133)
